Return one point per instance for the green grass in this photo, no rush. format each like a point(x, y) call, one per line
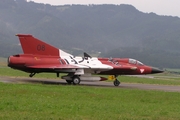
point(173, 70)
point(61, 102)
point(68, 102)
point(3, 62)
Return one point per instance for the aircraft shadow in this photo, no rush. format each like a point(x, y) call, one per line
point(50, 82)
point(63, 82)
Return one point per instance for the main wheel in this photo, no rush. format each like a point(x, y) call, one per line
point(116, 83)
point(76, 80)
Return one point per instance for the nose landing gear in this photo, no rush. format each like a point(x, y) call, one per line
point(116, 81)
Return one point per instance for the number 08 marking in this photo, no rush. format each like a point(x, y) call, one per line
point(41, 47)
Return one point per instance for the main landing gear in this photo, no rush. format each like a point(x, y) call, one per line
point(75, 80)
point(116, 81)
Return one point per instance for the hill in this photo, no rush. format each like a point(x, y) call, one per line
point(113, 30)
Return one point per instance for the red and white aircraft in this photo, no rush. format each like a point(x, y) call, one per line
point(41, 57)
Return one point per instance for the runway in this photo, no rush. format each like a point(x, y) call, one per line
point(169, 88)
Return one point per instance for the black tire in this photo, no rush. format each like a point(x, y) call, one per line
point(69, 81)
point(116, 83)
point(76, 80)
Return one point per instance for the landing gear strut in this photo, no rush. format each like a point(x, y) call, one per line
point(116, 81)
point(32, 74)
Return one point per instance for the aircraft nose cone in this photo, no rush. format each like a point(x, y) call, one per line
point(156, 70)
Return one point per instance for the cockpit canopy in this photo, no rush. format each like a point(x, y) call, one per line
point(135, 62)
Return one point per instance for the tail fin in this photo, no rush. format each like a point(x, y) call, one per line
point(31, 45)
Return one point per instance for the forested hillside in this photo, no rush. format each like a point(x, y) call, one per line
point(112, 30)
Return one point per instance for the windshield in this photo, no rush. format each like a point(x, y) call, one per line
point(139, 63)
point(133, 61)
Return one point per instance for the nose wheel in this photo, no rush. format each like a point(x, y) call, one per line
point(116, 82)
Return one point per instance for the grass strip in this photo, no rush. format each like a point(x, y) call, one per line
point(61, 102)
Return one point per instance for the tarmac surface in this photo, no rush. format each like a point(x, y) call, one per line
point(169, 88)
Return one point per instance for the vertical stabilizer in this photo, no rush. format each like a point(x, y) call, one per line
point(31, 45)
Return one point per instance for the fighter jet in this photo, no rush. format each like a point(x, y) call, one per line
point(41, 57)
